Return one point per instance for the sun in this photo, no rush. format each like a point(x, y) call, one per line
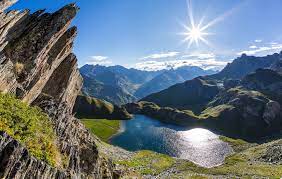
point(195, 34)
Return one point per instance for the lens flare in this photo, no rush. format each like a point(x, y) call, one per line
point(194, 35)
point(197, 32)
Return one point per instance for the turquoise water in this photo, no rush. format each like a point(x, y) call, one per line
point(198, 145)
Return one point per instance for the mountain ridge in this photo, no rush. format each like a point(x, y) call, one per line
point(122, 85)
point(243, 66)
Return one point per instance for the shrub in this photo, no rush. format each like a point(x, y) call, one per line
point(19, 67)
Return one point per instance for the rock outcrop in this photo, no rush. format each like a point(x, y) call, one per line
point(252, 114)
point(273, 153)
point(16, 162)
point(37, 65)
point(35, 44)
point(266, 81)
point(75, 141)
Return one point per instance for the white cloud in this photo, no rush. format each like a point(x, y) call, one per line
point(200, 56)
point(160, 65)
point(253, 47)
point(160, 55)
point(203, 60)
point(263, 50)
point(258, 41)
point(273, 43)
point(99, 60)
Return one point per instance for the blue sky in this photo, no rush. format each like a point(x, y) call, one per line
point(145, 33)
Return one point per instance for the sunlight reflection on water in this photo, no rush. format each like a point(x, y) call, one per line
point(202, 147)
point(198, 145)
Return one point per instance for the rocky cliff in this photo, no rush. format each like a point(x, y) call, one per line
point(37, 66)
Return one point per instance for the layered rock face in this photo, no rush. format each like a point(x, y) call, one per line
point(33, 47)
point(37, 65)
point(15, 162)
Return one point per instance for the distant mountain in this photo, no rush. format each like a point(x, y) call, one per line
point(115, 84)
point(120, 85)
point(193, 94)
point(132, 75)
point(244, 65)
point(108, 92)
point(169, 78)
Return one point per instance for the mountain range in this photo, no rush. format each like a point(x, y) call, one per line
point(120, 85)
point(243, 100)
point(198, 87)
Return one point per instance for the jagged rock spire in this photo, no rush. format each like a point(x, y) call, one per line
point(38, 66)
point(4, 4)
point(34, 46)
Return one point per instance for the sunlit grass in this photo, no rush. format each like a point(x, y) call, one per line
point(102, 128)
point(148, 162)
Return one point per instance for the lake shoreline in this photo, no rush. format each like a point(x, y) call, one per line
point(145, 133)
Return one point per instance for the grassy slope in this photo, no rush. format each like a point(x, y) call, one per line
point(31, 127)
point(148, 162)
point(242, 164)
point(102, 128)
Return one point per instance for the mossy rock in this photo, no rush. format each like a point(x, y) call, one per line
point(31, 127)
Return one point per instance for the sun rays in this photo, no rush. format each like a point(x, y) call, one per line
point(196, 32)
